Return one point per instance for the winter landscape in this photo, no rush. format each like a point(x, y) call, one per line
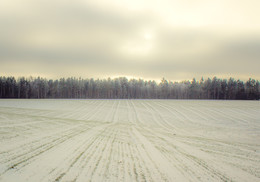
point(129, 91)
point(129, 140)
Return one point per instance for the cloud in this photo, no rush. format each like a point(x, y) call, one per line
point(65, 38)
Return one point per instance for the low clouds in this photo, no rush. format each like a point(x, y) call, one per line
point(64, 38)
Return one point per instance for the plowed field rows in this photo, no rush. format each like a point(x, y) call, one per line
point(129, 140)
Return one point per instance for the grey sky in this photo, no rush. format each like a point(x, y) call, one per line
point(149, 39)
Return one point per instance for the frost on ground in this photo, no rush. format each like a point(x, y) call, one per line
point(129, 140)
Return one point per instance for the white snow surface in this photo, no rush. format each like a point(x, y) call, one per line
point(129, 140)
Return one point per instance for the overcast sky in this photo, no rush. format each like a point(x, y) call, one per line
point(146, 39)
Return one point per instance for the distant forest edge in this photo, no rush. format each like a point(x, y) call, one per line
point(122, 88)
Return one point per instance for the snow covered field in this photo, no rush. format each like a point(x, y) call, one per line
point(129, 140)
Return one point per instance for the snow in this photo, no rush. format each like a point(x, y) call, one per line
point(129, 140)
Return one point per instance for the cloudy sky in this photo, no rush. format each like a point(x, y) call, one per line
point(175, 39)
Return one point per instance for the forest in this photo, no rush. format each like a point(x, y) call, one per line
point(123, 88)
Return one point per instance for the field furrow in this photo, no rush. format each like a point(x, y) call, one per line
point(129, 140)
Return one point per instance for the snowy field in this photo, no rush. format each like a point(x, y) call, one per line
point(129, 140)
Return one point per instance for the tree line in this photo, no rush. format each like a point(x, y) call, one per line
point(122, 88)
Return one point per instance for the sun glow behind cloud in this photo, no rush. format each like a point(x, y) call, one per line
point(139, 46)
point(149, 39)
